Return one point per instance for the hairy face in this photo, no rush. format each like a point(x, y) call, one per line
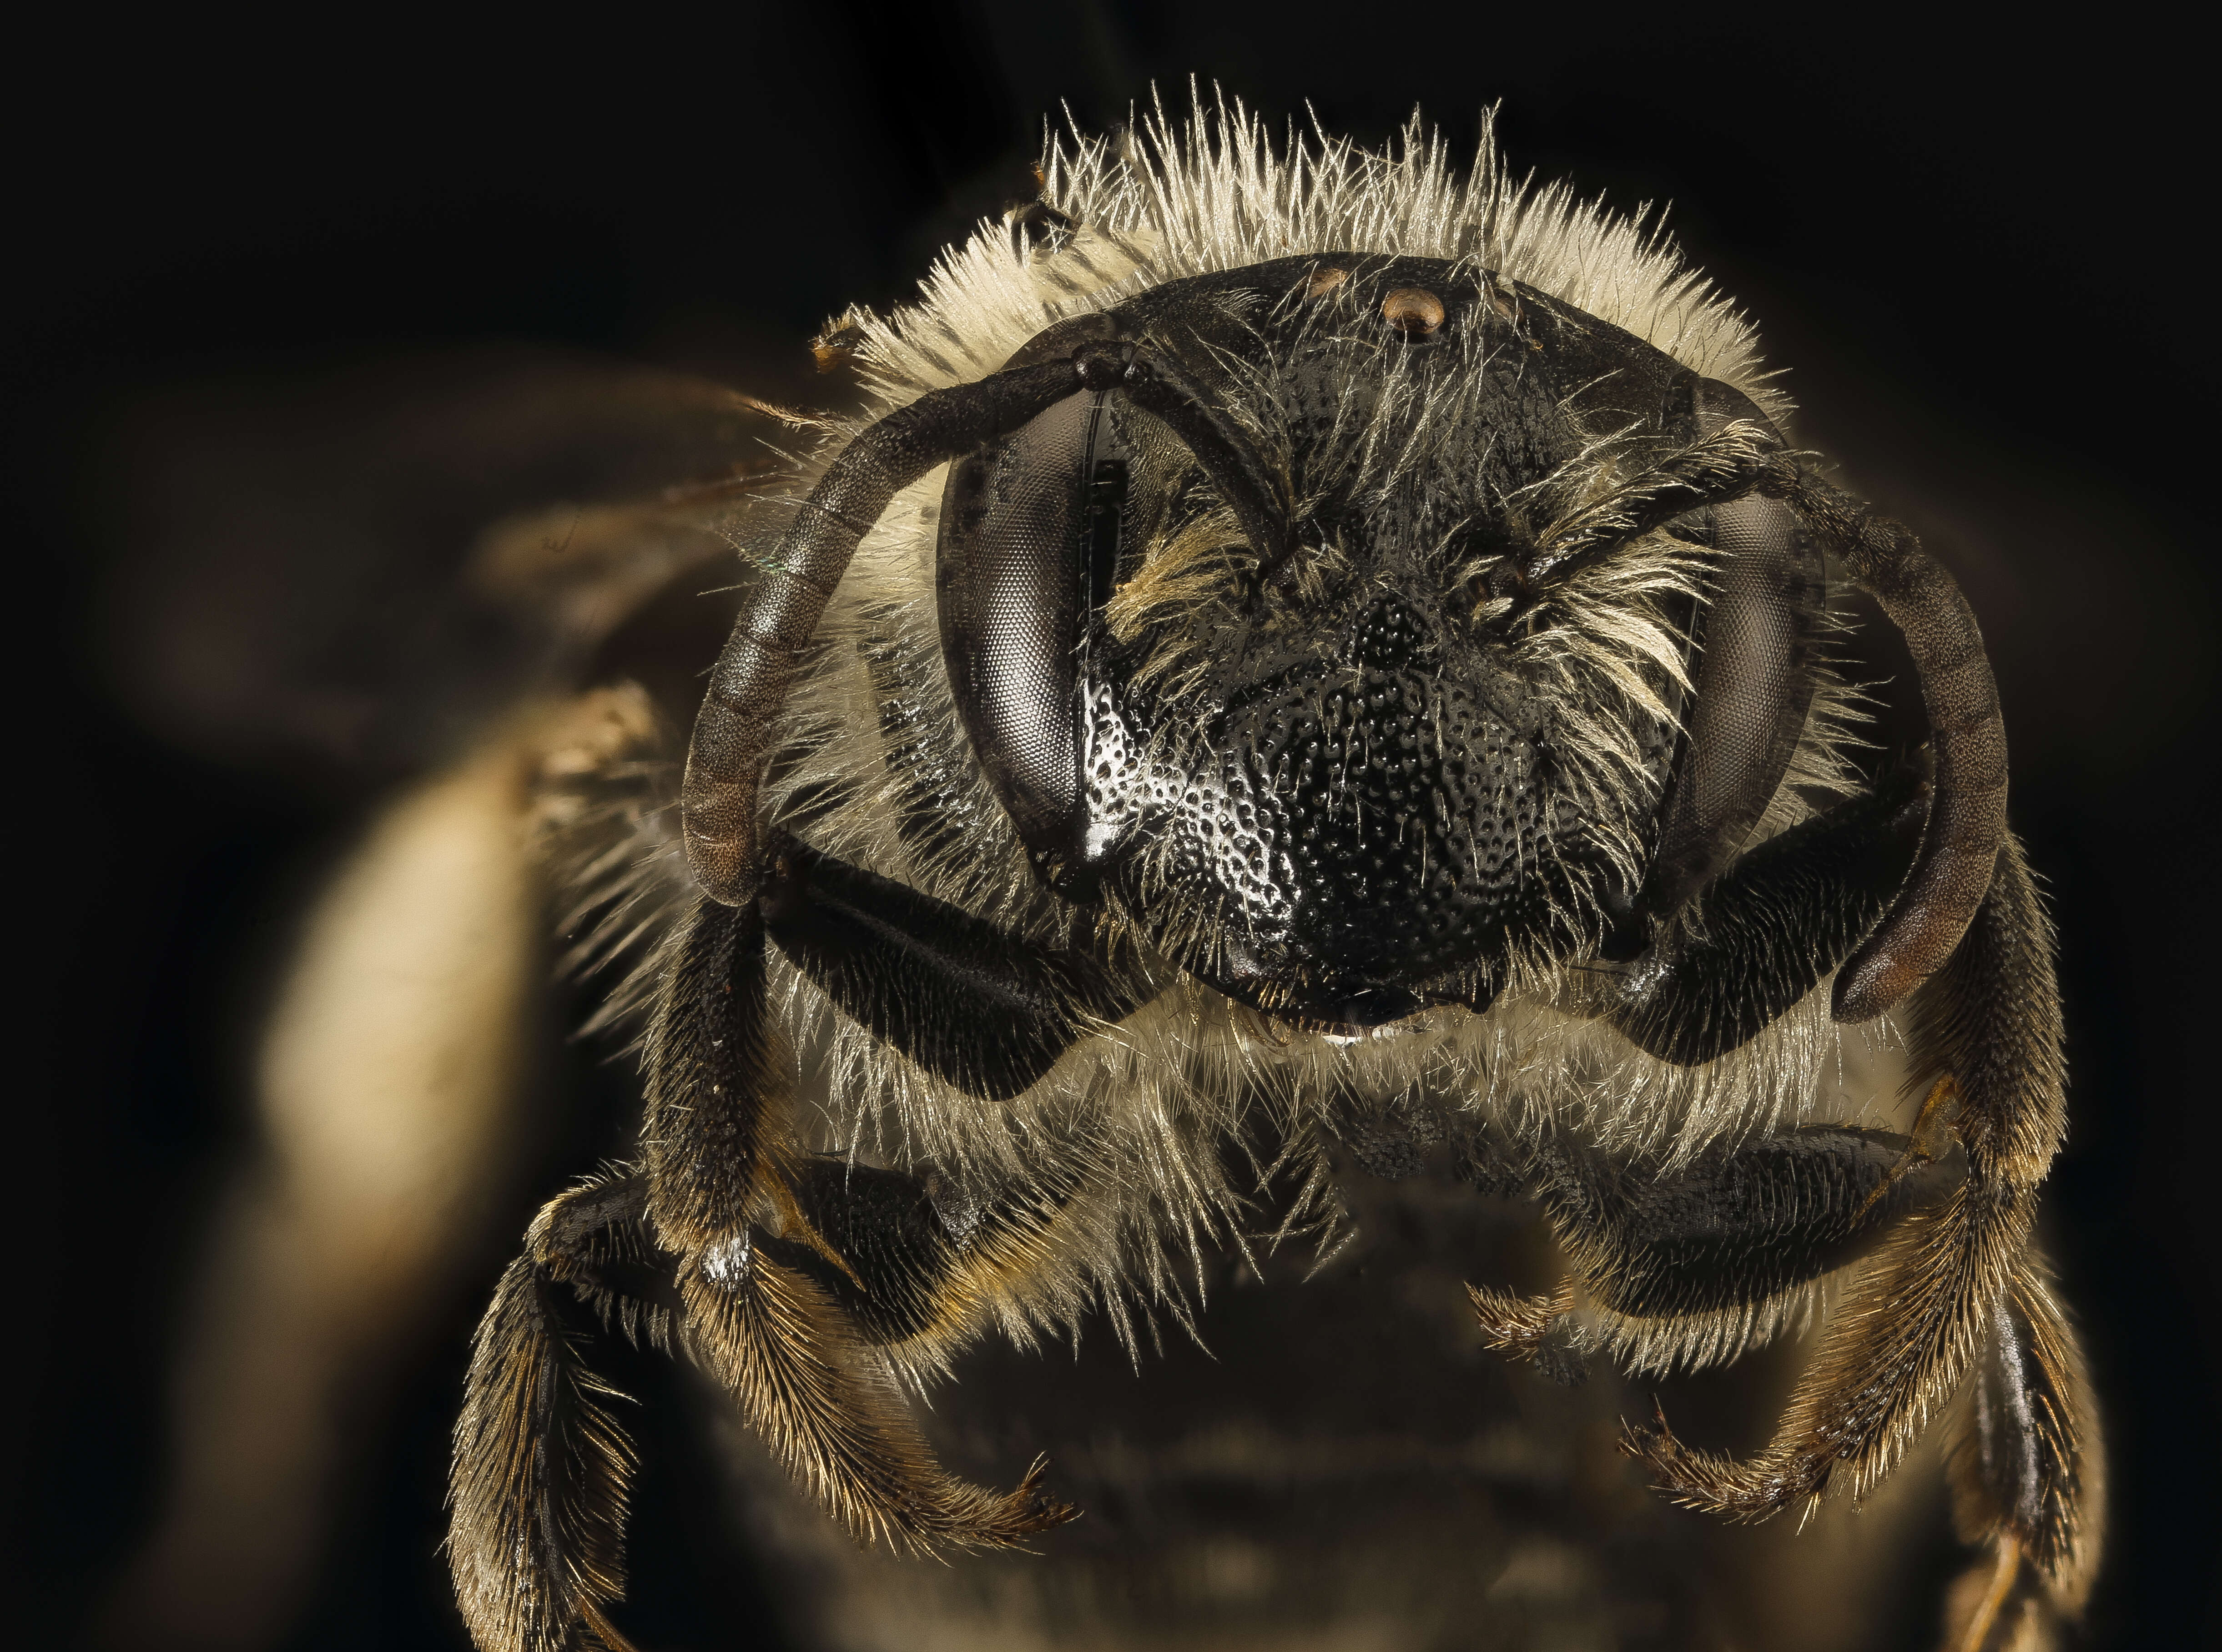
point(1352, 782)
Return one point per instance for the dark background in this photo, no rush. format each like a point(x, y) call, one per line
point(1977, 253)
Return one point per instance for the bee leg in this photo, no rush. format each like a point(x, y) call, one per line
point(909, 1258)
point(987, 1010)
point(2026, 1469)
point(1691, 1268)
point(538, 1491)
point(723, 1167)
point(1771, 926)
point(1933, 1300)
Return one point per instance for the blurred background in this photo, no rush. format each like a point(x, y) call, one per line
point(300, 308)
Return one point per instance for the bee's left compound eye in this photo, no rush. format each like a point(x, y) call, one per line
point(1761, 648)
point(1028, 548)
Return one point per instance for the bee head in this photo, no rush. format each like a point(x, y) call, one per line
point(1341, 631)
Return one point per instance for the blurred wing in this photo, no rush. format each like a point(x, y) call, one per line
point(307, 579)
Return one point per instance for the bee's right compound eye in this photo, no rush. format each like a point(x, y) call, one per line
point(1029, 547)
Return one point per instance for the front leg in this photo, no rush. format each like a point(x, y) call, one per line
point(793, 1278)
point(1771, 927)
point(1687, 1268)
point(1933, 1302)
point(724, 1169)
point(963, 998)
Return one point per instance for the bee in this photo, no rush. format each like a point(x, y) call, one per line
point(1308, 653)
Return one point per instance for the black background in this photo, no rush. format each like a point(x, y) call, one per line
point(1977, 253)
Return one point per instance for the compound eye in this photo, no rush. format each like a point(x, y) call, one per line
point(1755, 683)
point(1028, 549)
